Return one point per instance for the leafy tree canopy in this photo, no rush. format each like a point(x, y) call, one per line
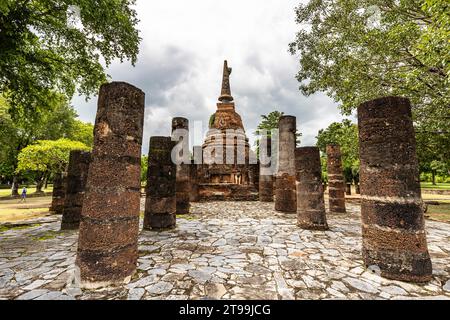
point(269, 122)
point(48, 156)
point(58, 45)
point(358, 50)
point(23, 127)
point(144, 168)
point(83, 132)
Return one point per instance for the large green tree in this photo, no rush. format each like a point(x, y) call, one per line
point(347, 53)
point(46, 157)
point(58, 45)
point(345, 134)
point(357, 50)
point(23, 127)
point(83, 132)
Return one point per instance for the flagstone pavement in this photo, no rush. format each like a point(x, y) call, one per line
point(222, 250)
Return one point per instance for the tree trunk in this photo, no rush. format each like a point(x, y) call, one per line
point(39, 185)
point(15, 187)
point(46, 181)
point(433, 177)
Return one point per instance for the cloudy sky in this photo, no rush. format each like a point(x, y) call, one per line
point(181, 59)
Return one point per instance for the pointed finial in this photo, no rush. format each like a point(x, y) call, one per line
point(225, 95)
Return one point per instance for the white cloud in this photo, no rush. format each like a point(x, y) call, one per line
point(181, 59)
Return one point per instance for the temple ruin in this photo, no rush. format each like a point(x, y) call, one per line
point(227, 172)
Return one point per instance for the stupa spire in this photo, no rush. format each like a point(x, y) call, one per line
point(225, 95)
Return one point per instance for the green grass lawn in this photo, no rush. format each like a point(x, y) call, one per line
point(7, 192)
point(440, 212)
point(14, 210)
point(439, 186)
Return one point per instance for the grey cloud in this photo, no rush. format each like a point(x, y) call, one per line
point(180, 70)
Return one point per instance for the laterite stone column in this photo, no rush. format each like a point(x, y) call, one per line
point(266, 174)
point(285, 190)
point(77, 174)
point(197, 151)
point(107, 244)
point(160, 202)
point(393, 225)
point(348, 189)
point(183, 170)
point(59, 193)
point(310, 201)
point(336, 184)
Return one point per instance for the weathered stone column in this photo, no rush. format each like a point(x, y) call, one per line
point(310, 201)
point(266, 174)
point(348, 189)
point(107, 244)
point(77, 174)
point(336, 185)
point(160, 202)
point(285, 190)
point(59, 193)
point(183, 170)
point(393, 227)
point(196, 161)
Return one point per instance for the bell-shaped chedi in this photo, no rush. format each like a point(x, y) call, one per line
point(226, 152)
point(226, 116)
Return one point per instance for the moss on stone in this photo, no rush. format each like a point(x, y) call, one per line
point(186, 217)
point(212, 119)
point(6, 227)
point(47, 236)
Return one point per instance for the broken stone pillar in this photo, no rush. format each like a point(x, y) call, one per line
point(336, 185)
point(183, 168)
point(266, 174)
point(393, 227)
point(310, 201)
point(59, 193)
point(285, 190)
point(107, 245)
point(160, 202)
point(77, 174)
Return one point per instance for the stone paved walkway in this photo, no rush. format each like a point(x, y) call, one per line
point(226, 250)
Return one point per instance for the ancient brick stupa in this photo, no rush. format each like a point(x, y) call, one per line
point(226, 172)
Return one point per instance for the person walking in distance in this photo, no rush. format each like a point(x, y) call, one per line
point(24, 194)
